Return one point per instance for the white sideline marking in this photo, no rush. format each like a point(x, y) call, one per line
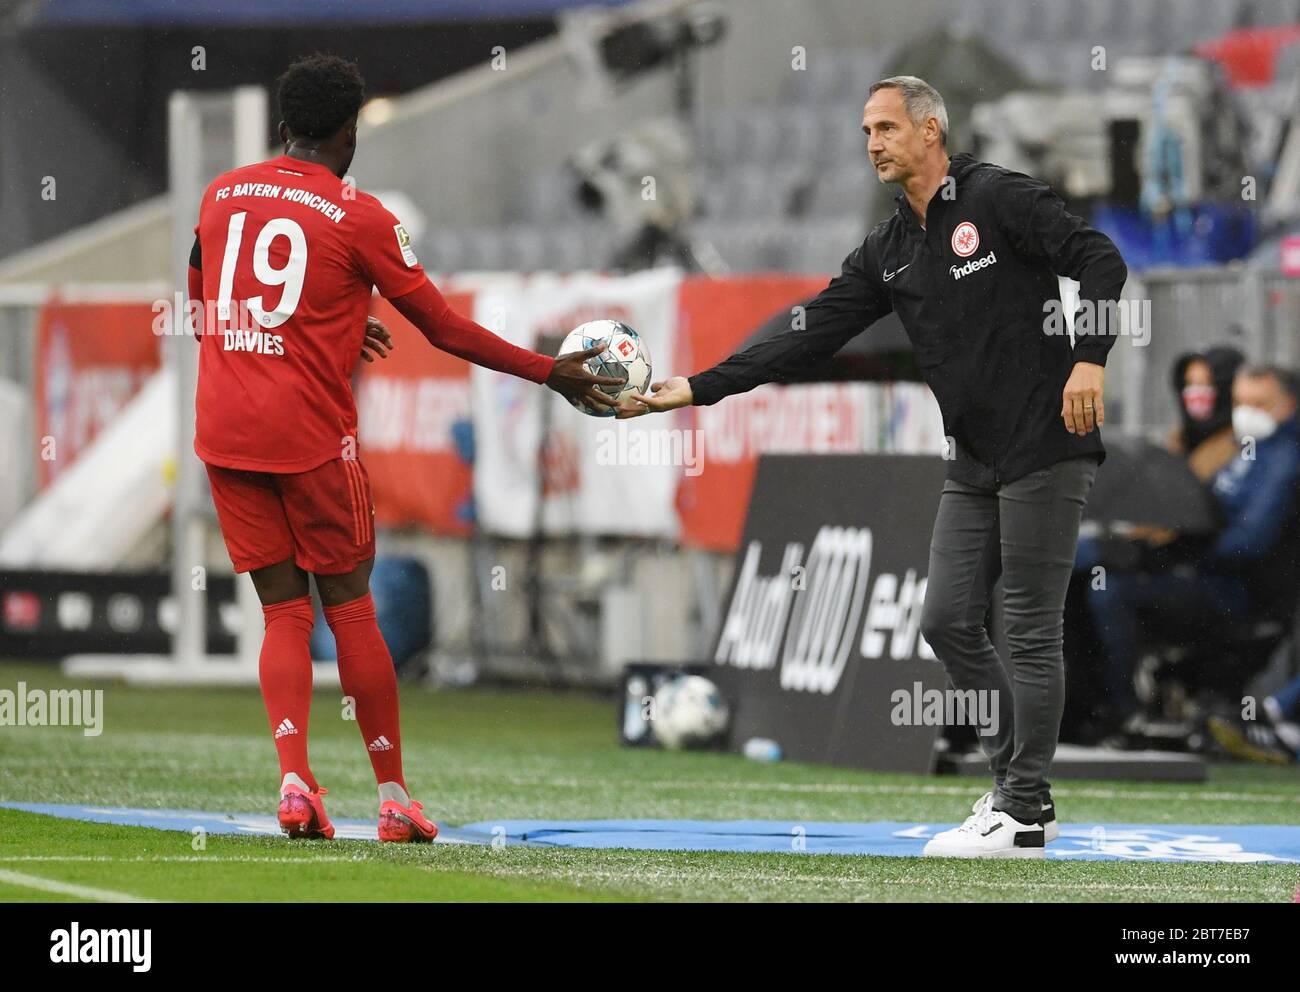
point(66, 888)
point(178, 859)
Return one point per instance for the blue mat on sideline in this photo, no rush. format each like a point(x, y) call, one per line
point(1089, 842)
point(221, 823)
point(1085, 842)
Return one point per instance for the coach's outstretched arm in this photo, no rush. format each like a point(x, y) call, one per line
point(1036, 220)
point(848, 305)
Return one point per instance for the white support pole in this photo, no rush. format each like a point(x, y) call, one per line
point(250, 125)
point(248, 642)
point(249, 128)
point(189, 587)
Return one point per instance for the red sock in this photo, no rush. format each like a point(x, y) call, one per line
point(285, 674)
point(366, 671)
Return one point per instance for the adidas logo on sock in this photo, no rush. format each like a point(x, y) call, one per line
point(285, 729)
point(380, 743)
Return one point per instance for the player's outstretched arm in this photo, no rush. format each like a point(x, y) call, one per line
point(447, 330)
point(444, 328)
point(389, 263)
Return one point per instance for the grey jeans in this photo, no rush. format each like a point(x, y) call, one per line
point(1025, 531)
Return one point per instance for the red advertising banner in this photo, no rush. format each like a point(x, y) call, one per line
point(715, 317)
point(91, 358)
point(406, 407)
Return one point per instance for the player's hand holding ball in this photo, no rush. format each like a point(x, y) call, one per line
point(572, 380)
point(607, 361)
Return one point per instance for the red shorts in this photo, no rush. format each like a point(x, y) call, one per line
point(323, 519)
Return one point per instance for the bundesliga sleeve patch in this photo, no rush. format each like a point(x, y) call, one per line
point(404, 243)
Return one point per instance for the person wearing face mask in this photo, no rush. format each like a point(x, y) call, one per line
point(1250, 569)
point(1257, 489)
point(1203, 385)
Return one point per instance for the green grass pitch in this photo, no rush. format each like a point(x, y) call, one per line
point(483, 754)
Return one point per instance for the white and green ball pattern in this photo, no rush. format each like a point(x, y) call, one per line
point(625, 357)
point(689, 712)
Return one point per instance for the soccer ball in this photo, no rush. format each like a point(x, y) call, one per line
point(626, 357)
point(689, 712)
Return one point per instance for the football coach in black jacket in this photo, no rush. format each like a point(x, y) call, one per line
point(969, 261)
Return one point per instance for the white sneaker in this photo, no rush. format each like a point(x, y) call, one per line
point(988, 833)
point(1046, 819)
point(982, 805)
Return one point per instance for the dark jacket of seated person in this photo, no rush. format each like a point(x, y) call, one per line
point(1247, 571)
point(1257, 491)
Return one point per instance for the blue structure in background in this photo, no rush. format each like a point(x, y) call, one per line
point(1201, 234)
point(248, 13)
point(462, 436)
point(403, 595)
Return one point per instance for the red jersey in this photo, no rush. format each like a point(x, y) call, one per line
point(289, 253)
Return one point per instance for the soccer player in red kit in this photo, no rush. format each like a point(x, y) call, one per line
point(284, 259)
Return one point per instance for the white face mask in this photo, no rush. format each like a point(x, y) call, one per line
point(1251, 421)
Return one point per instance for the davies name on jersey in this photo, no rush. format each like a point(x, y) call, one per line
point(257, 342)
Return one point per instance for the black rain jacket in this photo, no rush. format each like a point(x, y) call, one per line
point(975, 291)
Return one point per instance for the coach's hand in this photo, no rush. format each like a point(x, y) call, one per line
point(571, 379)
point(377, 339)
point(666, 395)
point(1081, 405)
